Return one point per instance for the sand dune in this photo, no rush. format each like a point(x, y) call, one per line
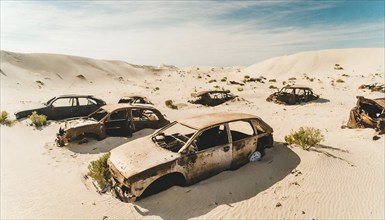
point(40, 180)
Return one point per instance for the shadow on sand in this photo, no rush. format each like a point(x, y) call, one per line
point(225, 188)
point(95, 147)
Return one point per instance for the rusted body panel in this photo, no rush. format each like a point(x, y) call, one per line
point(375, 87)
point(135, 99)
point(212, 98)
point(197, 148)
point(368, 113)
point(292, 95)
point(114, 120)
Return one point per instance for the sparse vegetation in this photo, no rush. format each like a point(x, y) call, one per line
point(346, 75)
point(338, 67)
point(305, 137)
point(246, 77)
point(272, 87)
point(224, 79)
point(272, 80)
point(240, 89)
point(283, 82)
point(38, 120)
point(199, 77)
point(98, 170)
point(292, 78)
point(4, 120)
point(340, 81)
point(170, 104)
point(212, 80)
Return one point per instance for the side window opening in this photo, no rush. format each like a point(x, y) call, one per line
point(240, 130)
point(212, 137)
point(144, 115)
point(86, 101)
point(119, 115)
point(64, 102)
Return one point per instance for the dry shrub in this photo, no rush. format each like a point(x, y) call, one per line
point(4, 120)
point(38, 120)
point(170, 104)
point(305, 137)
point(98, 170)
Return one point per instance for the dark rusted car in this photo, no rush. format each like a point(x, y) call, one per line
point(212, 98)
point(187, 151)
point(65, 106)
point(292, 95)
point(111, 120)
point(135, 99)
point(368, 113)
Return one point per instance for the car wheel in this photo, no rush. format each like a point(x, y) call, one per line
point(256, 156)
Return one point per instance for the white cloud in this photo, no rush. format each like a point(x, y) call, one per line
point(180, 33)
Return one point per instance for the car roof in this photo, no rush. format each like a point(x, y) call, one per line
point(133, 95)
point(211, 91)
point(114, 107)
point(74, 96)
point(297, 87)
point(206, 120)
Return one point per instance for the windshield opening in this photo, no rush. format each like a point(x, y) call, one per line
point(174, 137)
point(98, 115)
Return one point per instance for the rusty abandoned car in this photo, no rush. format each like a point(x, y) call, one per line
point(111, 120)
point(375, 87)
point(368, 113)
point(135, 99)
point(292, 95)
point(187, 151)
point(65, 106)
point(212, 98)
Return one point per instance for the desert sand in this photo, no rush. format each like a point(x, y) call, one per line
point(42, 181)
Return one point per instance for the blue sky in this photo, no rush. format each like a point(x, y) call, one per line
point(185, 33)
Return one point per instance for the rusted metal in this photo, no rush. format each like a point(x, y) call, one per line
point(292, 95)
point(135, 99)
point(113, 120)
point(190, 149)
point(375, 87)
point(212, 98)
point(368, 113)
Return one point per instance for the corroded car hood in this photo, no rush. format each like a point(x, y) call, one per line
point(139, 155)
point(76, 123)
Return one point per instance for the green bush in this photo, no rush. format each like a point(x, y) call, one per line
point(38, 120)
point(170, 104)
point(305, 137)
point(98, 170)
point(4, 120)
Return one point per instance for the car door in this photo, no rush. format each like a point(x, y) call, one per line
point(117, 123)
point(210, 153)
point(243, 140)
point(144, 118)
point(62, 108)
point(86, 106)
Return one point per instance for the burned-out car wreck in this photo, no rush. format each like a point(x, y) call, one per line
point(368, 113)
point(111, 120)
point(135, 99)
point(187, 151)
point(292, 94)
point(65, 106)
point(211, 98)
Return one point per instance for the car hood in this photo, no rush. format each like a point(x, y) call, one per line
point(139, 155)
point(76, 123)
